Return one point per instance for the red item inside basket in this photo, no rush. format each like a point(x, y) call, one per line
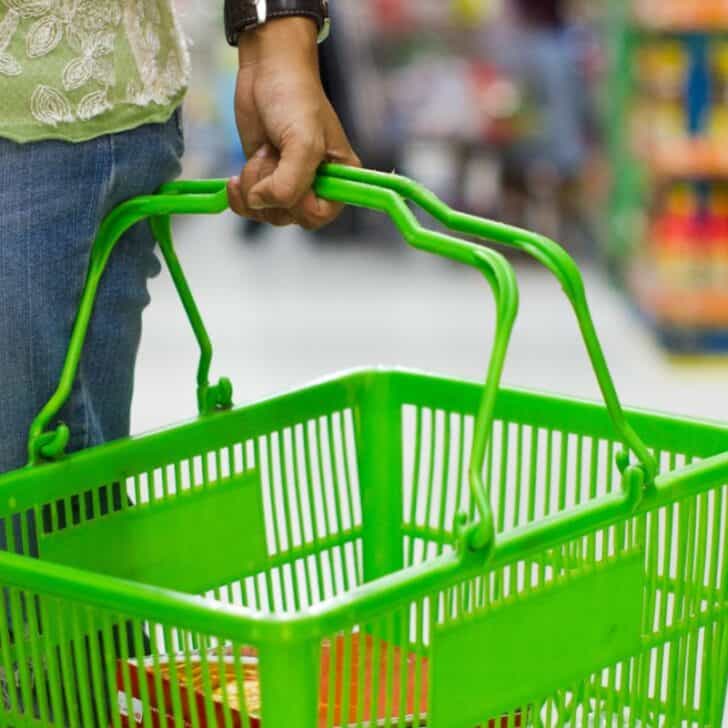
point(176, 678)
point(416, 679)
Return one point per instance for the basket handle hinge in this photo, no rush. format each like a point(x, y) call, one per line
point(49, 446)
point(210, 398)
point(475, 542)
point(636, 479)
point(217, 398)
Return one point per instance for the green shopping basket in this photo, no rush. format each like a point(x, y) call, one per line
point(383, 547)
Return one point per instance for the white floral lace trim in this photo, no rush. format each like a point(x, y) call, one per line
point(91, 29)
point(159, 79)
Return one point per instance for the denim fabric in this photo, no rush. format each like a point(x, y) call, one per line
point(53, 196)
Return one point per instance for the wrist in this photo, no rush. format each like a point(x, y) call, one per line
point(294, 37)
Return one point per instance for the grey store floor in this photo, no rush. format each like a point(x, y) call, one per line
point(285, 310)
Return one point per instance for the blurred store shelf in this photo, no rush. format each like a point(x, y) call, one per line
point(691, 158)
point(681, 16)
point(672, 306)
point(669, 122)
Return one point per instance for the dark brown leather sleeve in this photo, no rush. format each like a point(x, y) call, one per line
point(240, 15)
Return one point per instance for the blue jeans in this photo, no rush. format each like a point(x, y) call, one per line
point(53, 196)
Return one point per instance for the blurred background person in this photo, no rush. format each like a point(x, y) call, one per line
point(543, 44)
point(548, 59)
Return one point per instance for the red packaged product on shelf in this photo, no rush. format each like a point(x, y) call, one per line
point(175, 682)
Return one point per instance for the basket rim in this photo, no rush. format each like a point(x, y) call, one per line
point(368, 376)
point(244, 625)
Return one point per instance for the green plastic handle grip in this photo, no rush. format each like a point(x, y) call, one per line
point(545, 251)
point(208, 197)
point(193, 197)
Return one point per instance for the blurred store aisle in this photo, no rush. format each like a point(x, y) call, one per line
point(285, 310)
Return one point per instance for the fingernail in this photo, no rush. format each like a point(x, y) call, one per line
point(235, 181)
point(262, 153)
point(256, 203)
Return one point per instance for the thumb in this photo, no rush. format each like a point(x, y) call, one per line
point(292, 178)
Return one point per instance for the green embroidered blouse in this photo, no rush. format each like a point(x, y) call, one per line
point(77, 69)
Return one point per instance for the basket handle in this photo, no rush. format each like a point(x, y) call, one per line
point(206, 197)
point(210, 197)
point(546, 252)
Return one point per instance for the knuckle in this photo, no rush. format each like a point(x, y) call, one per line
point(285, 193)
point(312, 144)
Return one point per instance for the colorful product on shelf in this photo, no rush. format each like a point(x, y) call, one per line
point(675, 140)
point(674, 235)
point(718, 129)
point(681, 14)
point(668, 122)
point(719, 63)
point(412, 16)
point(688, 253)
point(689, 157)
point(720, 248)
point(662, 68)
point(658, 118)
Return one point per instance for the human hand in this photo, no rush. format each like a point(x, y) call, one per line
point(287, 127)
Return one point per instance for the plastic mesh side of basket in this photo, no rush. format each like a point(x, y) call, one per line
point(543, 458)
point(547, 455)
point(293, 461)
